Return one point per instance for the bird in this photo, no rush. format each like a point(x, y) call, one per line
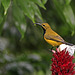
point(51, 36)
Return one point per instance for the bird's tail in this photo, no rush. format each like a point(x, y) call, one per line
point(68, 43)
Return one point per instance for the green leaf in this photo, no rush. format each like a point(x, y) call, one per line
point(21, 28)
point(19, 18)
point(40, 3)
point(68, 2)
point(1, 12)
point(6, 4)
point(40, 72)
point(69, 15)
point(26, 8)
point(44, 1)
point(73, 32)
point(17, 12)
point(36, 10)
point(1, 17)
point(59, 7)
point(65, 12)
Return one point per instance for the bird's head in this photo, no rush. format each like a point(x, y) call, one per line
point(44, 25)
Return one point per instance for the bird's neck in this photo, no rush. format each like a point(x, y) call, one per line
point(47, 30)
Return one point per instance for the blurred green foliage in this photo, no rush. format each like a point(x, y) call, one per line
point(23, 50)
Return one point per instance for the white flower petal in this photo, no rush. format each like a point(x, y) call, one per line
point(70, 49)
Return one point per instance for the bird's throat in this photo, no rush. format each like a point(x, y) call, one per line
point(44, 31)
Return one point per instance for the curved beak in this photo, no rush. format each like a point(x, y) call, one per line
point(38, 23)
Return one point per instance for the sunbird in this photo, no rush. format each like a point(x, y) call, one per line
point(51, 36)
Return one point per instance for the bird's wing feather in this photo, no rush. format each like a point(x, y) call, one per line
point(54, 38)
point(57, 39)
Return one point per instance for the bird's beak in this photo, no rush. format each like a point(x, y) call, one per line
point(38, 23)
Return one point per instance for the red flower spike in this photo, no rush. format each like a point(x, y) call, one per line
point(62, 63)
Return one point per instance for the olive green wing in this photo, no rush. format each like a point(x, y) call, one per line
point(54, 38)
point(57, 38)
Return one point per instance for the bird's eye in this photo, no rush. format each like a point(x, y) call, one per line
point(43, 25)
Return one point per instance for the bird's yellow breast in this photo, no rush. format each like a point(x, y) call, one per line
point(53, 43)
